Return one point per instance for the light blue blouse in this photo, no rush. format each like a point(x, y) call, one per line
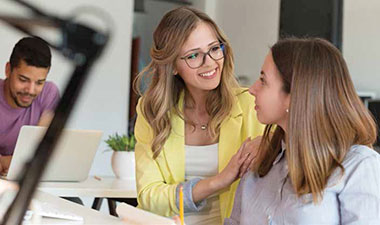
point(353, 198)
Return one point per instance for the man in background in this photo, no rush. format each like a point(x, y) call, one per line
point(26, 98)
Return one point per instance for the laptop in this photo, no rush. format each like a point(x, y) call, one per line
point(71, 159)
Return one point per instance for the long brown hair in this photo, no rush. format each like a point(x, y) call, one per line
point(326, 116)
point(164, 91)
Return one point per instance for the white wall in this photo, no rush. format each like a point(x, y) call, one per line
point(146, 22)
point(252, 26)
point(104, 100)
point(208, 6)
point(361, 43)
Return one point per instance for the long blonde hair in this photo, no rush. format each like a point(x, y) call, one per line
point(326, 116)
point(161, 98)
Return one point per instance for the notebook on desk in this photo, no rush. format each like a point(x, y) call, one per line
point(133, 215)
point(71, 159)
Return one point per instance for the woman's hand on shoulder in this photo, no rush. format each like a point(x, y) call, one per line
point(231, 172)
point(249, 152)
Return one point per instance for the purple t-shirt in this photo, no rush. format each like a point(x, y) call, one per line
point(12, 119)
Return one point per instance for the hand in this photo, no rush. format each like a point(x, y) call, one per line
point(7, 185)
point(5, 162)
point(177, 220)
point(230, 173)
point(250, 151)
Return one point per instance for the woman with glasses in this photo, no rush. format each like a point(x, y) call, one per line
point(191, 121)
point(315, 163)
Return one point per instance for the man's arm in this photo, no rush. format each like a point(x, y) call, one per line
point(50, 100)
point(46, 118)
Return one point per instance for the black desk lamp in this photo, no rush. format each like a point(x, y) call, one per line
point(82, 45)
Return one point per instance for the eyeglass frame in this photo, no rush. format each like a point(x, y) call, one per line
point(222, 46)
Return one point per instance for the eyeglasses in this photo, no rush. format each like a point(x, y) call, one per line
point(197, 59)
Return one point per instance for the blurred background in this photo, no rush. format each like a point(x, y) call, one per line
point(106, 102)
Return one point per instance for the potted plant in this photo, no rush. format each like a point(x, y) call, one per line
point(123, 157)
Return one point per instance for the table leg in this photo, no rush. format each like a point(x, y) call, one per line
point(112, 207)
point(97, 203)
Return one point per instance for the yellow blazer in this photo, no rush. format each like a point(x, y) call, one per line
point(157, 179)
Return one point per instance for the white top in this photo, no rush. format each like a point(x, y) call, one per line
point(202, 162)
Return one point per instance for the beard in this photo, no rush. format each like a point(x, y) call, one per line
point(19, 103)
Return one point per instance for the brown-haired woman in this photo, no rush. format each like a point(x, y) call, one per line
point(317, 167)
point(191, 121)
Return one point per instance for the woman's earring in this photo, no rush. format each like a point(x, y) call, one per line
point(287, 110)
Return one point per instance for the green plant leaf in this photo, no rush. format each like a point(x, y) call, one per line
point(118, 142)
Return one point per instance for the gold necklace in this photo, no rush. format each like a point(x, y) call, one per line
point(204, 126)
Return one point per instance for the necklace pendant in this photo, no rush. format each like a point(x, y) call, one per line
point(203, 127)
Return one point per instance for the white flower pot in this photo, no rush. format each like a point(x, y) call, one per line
point(123, 164)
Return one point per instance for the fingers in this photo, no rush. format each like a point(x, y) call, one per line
point(241, 150)
point(250, 152)
point(257, 139)
point(177, 220)
point(245, 160)
point(246, 164)
point(246, 146)
point(7, 185)
point(239, 158)
point(242, 159)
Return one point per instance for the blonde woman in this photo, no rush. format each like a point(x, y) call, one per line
point(191, 121)
point(318, 166)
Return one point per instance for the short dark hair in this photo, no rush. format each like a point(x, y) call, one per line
point(33, 50)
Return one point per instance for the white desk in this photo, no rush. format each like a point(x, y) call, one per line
point(90, 216)
point(106, 187)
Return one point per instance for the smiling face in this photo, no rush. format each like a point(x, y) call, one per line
point(207, 77)
point(271, 100)
point(24, 83)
